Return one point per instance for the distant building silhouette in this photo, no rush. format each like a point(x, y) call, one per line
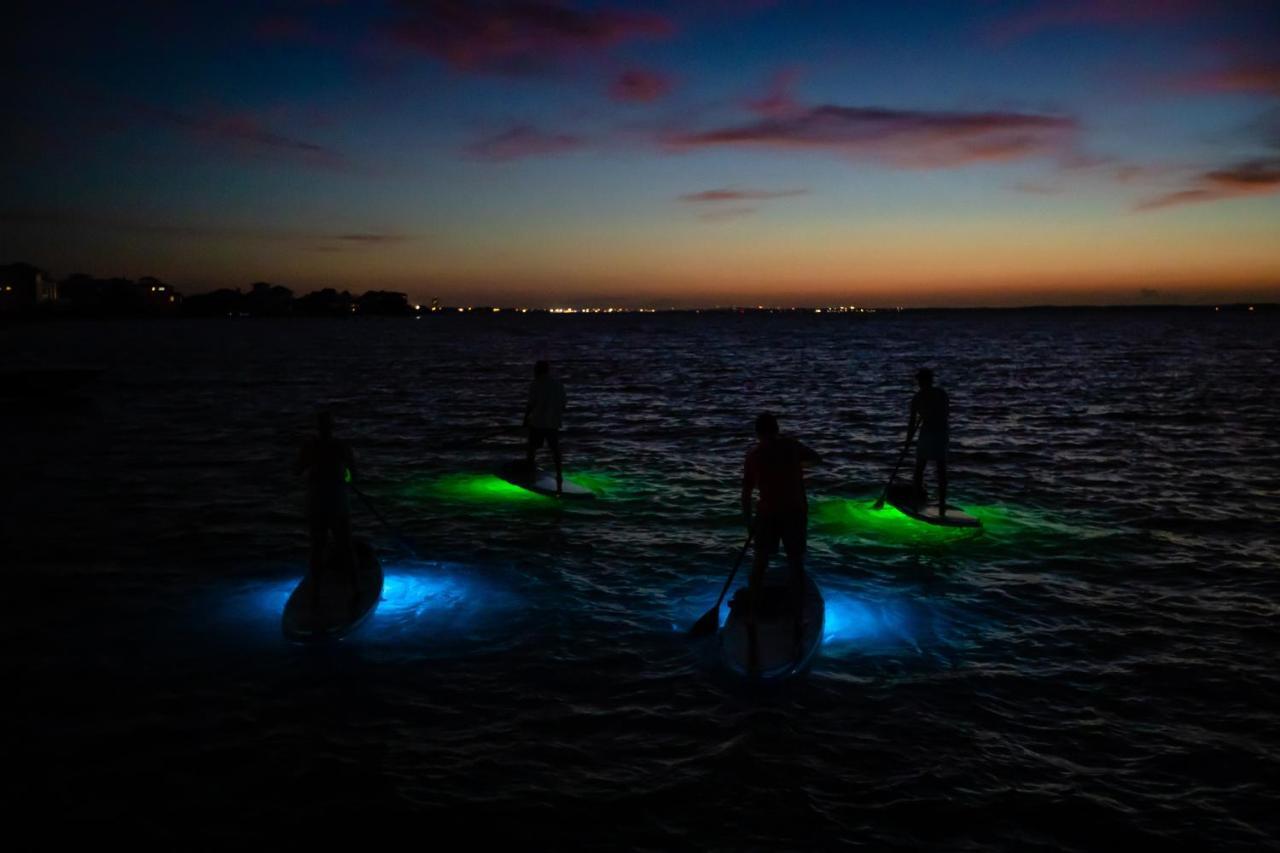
point(23, 287)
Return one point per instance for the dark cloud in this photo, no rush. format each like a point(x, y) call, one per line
point(639, 86)
point(902, 138)
point(524, 141)
point(371, 238)
point(1254, 177)
point(723, 195)
point(516, 36)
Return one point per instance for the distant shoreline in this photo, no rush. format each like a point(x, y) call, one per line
point(52, 314)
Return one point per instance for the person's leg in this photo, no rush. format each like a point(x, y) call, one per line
point(942, 485)
point(553, 442)
point(531, 447)
point(766, 544)
point(344, 554)
point(794, 540)
point(918, 482)
point(317, 532)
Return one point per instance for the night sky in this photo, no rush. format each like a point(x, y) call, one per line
point(704, 152)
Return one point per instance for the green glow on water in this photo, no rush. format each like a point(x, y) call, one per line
point(857, 517)
point(475, 488)
point(597, 481)
point(493, 490)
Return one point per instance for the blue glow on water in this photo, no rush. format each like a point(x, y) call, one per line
point(409, 596)
point(853, 619)
point(430, 604)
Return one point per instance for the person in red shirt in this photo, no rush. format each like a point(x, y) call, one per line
point(775, 468)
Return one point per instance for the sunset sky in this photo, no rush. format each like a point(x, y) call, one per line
point(673, 153)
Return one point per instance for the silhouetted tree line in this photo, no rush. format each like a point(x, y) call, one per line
point(272, 300)
point(28, 290)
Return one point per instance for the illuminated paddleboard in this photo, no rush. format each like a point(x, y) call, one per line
point(902, 499)
point(780, 655)
point(330, 612)
point(542, 482)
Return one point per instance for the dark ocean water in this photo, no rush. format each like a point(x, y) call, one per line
point(1097, 669)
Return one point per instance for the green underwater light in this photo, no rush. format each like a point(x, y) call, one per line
point(857, 517)
point(597, 481)
point(843, 516)
point(493, 490)
point(475, 488)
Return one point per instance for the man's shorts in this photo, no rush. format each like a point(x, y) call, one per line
point(931, 446)
point(538, 436)
point(791, 529)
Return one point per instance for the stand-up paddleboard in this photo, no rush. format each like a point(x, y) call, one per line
point(780, 655)
point(902, 497)
point(542, 482)
point(330, 612)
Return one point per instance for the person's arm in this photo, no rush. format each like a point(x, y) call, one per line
point(748, 486)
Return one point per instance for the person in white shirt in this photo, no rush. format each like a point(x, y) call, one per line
point(542, 416)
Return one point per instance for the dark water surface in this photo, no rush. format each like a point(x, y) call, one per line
point(1098, 668)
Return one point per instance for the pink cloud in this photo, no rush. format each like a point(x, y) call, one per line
point(639, 86)
point(1261, 78)
point(722, 195)
point(778, 99)
point(1255, 177)
point(516, 35)
point(524, 141)
point(245, 133)
point(903, 138)
point(1056, 14)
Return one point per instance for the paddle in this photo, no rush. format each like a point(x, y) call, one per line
point(710, 620)
point(390, 528)
point(480, 438)
point(879, 504)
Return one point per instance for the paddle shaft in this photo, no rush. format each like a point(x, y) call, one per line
point(373, 509)
point(894, 475)
point(736, 565)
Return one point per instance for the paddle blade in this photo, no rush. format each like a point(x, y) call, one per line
point(707, 625)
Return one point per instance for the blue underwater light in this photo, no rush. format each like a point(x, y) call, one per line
point(421, 602)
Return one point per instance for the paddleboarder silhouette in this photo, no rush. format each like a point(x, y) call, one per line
point(775, 467)
point(327, 462)
point(542, 416)
point(930, 410)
